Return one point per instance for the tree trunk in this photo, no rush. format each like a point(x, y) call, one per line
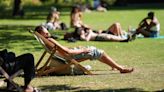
point(17, 8)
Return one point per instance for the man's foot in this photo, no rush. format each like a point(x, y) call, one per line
point(126, 70)
point(113, 68)
point(31, 89)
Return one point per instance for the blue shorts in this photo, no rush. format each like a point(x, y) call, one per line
point(154, 33)
point(92, 55)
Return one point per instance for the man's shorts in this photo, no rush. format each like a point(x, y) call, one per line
point(92, 55)
point(154, 33)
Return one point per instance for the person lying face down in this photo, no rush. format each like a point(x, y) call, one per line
point(82, 53)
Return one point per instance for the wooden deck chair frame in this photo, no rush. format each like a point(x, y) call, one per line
point(10, 78)
point(43, 71)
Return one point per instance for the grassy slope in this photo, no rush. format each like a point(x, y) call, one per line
point(145, 55)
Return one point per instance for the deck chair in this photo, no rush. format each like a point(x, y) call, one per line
point(10, 78)
point(45, 70)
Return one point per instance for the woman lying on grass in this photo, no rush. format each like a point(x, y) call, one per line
point(88, 34)
point(84, 53)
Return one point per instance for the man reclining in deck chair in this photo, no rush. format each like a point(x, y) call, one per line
point(84, 53)
point(11, 64)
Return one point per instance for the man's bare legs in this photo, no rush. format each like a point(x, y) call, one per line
point(109, 61)
point(144, 32)
point(142, 29)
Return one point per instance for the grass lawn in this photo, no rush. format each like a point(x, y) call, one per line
point(145, 55)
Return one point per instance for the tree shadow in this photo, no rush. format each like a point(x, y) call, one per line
point(54, 88)
point(16, 27)
point(114, 90)
point(5, 90)
point(34, 12)
point(10, 35)
point(40, 12)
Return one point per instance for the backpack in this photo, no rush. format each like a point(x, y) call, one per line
point(71, 70)
point(63, 26)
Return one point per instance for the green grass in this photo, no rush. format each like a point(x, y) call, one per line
point(145, 55)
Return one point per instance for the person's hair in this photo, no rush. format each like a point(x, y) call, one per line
point(74, 8)
point(68, 35)
point(51, 12)
point(50, 16)
point(151, 14)
point(39, 29)
point(74, 34)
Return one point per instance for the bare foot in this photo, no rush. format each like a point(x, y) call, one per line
point(126, 70)
point(30, 89)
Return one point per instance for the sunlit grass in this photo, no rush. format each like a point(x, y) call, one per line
point(145, 55)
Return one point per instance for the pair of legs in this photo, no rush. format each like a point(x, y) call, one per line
point(110, 37)
point(142, 29)
point(109, 61)
point(144, 32)
point(104, 58)
point(115, 29)
point(26, 63)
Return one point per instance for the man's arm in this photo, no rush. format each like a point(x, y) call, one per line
point(62, 49)
point(154, 22)
point(85, 37)
point(143, 20)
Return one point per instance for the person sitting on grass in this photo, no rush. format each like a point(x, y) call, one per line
point(149, 26)
point(76, 17)
point(53, 21)
point(84, 53)
point(11, 64)
point(88, 34)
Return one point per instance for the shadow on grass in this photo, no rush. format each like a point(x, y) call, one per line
point(40, 12)
point(54, 88)
point(8, 38)
point(16, 27)
point(114, 90)
point(13, 33)
point(12, 36)
point(5, 90)
point(34, 12)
